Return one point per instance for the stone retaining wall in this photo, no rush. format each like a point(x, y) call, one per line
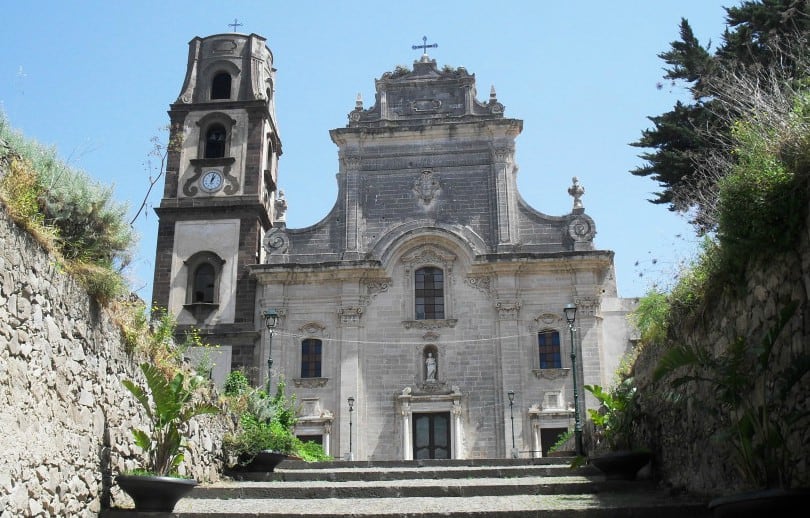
point(64, 414)
point(686, 455)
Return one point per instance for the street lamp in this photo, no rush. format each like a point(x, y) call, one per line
point(351, 408)
point(270, 321)
point(511, 395)
point(570, 311)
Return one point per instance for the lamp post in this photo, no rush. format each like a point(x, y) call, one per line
point(511, 395)
point(570, 311)
point(351, 409)
point(270, 321)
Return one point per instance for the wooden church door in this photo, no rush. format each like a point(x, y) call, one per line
point(431, 436)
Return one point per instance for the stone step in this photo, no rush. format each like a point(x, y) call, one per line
point(401, 488)
point(509, 488)
point(349, 474)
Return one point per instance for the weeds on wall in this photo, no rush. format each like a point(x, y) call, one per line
point(67, 212)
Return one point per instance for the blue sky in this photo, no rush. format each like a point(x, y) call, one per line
point(95, 79)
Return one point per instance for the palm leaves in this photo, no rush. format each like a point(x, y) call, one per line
point(617, 413)
point(169, 403)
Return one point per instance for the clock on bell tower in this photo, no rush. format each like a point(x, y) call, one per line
point(219, 190)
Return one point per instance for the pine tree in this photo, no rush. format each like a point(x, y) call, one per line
point(762, 34)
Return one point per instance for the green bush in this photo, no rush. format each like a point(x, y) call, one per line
point(236, 384)
point(265, 423)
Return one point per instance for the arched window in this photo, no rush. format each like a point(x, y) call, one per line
point(311, 354)
point(548, 343)
point(204, 272)
point(204, 282)
point(221, 86)
point(215, 140)
point(429, 293)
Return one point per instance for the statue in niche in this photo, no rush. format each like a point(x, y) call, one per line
point(430, 365)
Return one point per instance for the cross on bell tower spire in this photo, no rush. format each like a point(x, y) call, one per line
point(235, 24)
point(424, 46)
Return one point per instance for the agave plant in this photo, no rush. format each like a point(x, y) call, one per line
point(169, 403)
point(615, 417)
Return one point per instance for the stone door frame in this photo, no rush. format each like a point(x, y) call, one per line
point(425, 403)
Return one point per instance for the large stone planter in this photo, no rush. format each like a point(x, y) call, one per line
point(258, 468)
point(153, 493)
point(621, 465)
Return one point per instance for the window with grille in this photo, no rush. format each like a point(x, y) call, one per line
point(311, 355)
point(548, 343)
point(429, 293)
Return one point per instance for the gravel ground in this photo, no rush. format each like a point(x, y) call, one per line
point(481, 506)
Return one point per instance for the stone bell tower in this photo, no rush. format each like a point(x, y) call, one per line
point(219, 194)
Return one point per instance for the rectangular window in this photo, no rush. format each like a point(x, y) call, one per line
point(311, 353)
point(549, 346)
point(429, 293)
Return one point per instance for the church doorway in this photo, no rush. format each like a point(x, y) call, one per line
point(549, 437)
point(431, 436)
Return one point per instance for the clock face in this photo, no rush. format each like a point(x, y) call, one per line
point(211, 181)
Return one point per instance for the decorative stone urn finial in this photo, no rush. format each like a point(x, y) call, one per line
point(576, 191)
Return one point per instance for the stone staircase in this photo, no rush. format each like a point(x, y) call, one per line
point(430, 489)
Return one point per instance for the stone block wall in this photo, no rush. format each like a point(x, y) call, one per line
point(686, 454)
point(64, 414)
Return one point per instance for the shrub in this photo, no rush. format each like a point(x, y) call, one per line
point(67, 212)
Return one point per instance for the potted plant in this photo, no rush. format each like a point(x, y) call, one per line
point(613, 423)
point(760, 402)
point(169, 404)
point(264, 436)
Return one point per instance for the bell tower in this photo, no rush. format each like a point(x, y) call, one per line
point(219, 193)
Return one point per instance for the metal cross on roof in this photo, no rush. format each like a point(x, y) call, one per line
point(424, 46)
point(235, 24)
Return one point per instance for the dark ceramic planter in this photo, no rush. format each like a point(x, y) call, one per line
point(153, 493)
point(257, 468)
point(766, 502)
point(621, 465)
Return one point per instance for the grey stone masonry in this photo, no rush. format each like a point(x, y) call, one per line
point(65, 417)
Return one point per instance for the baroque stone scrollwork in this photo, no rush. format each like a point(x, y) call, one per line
point(546, 319)
point(350, 315)
point(503, 154)
point(425, 105)
point(434, 387)
point(276, 241)
point(430, 255)
point(482, 283)
point(374, 288)
point(580, 229)
point(430, 324)
point(587, 306)
point(310, 382)
point(313, 329)
point(426, 186)
point(550, 374)
point(507, 310)
point(430, 336)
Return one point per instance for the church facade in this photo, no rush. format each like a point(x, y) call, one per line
point(423, 316)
